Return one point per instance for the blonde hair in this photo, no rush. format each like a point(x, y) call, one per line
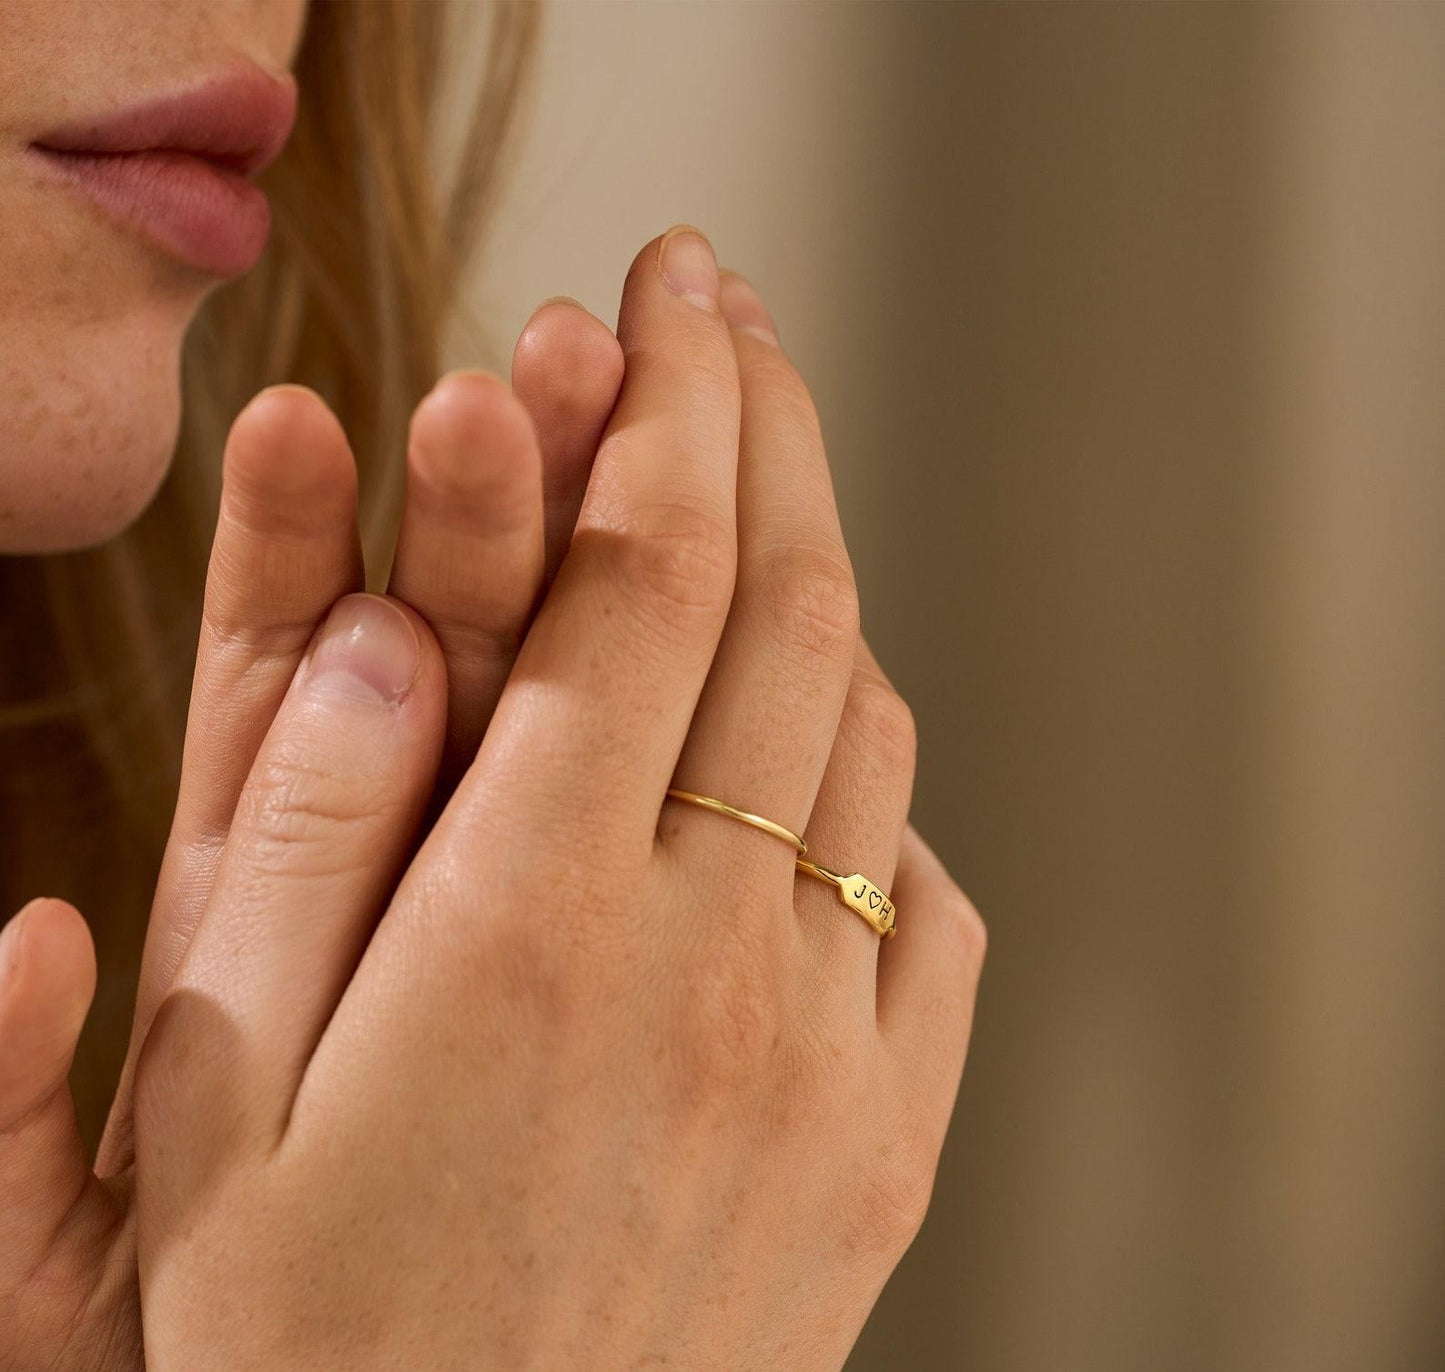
point(359, 283)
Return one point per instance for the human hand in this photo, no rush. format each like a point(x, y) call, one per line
point(602, 1081)
point(495, 477)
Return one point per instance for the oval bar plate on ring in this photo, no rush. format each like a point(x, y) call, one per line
point(860, 894)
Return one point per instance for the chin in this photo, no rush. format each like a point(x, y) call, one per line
point(88, 427)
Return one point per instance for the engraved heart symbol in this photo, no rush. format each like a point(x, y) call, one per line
point(875, 899)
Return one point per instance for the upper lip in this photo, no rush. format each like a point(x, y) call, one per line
point(240, 118)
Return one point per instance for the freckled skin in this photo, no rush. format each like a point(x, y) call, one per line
point(91, 318)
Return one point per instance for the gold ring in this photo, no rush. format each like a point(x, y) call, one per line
point(732, 812)
point(860, 895)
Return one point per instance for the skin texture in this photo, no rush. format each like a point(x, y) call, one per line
point(457, 1044)
point(91, 329)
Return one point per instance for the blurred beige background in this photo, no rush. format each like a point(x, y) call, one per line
point(1127, 327)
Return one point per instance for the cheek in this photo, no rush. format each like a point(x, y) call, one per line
point(88, 422)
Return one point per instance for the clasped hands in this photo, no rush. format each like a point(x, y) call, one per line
point(458, 1044)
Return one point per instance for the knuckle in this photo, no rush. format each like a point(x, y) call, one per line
point(152, 1072)
point(180, 1051)
point(471, 647)
point(891, 1200)
point(677, 563)
point(594, 945)
point(968, 927)
point(549, 983)
point(694, 355)
point(705, 353)
point(230, 633)
point(882, 720)
point(588, 946)
point(731, 1025)
point(771, 378)
point(294, 803)
point(815, 603)
point(823, 1061)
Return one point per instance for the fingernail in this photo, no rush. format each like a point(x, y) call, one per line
point(743, 308)
point(689, 267)
point(560, 300)
point(367, 650)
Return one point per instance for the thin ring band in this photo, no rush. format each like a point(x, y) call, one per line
point(747, 817)
point(860, 895)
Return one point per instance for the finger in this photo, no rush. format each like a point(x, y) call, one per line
point(567, 370)
point(47, 979)
point(606, 683)
point(928, 979)
point(285, 549)
point(765, 724)
point(856, 826)
point(322, 829)
point(60, 1286)
point(469, 553)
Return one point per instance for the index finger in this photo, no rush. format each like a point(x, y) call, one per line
point(285, 549)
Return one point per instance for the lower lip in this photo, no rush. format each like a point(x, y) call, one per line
point(200, 212)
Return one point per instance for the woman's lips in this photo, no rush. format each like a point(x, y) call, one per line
point(176, 167)
point(201, 212)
